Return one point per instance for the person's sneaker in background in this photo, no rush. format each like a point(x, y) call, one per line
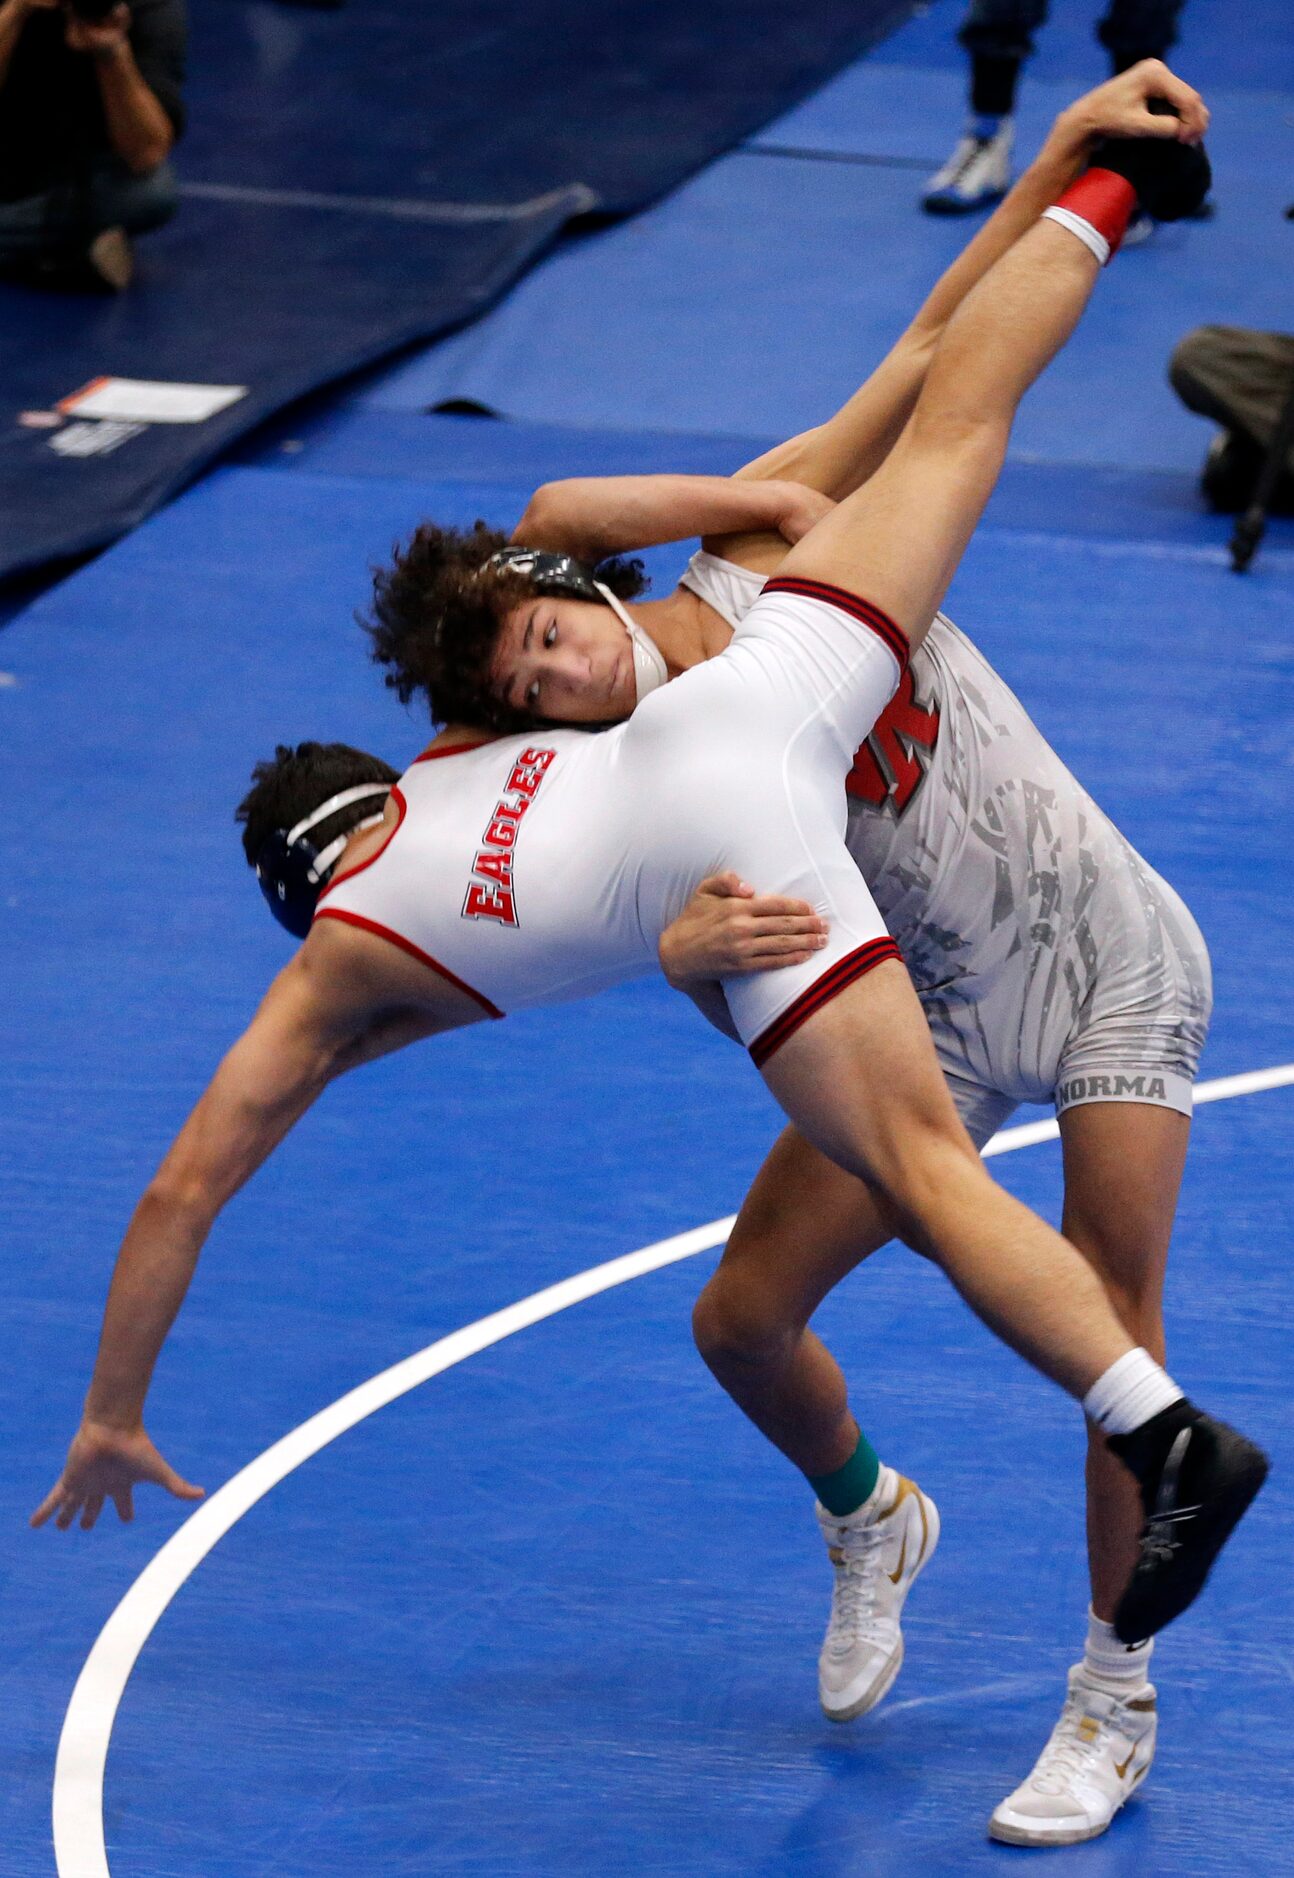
point(110, 260)
point(978, 173)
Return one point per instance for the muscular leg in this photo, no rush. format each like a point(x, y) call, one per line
point(1123, 1166)
point(898, 539)
point(1123, 1169)
point(804, 1226)
point(861, 1081)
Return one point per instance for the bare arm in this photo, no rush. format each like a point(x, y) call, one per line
point(324, 1014)
point(837, 457)
point(138, 128)
point(593, 516)
point(14, 15)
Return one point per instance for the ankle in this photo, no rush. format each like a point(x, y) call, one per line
point(1117, 1668)
point(993, 83)
point(1146, 1448)
point(1130, 1394)
point(847, 1489)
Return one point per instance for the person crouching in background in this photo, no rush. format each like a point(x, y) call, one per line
point(90, 106)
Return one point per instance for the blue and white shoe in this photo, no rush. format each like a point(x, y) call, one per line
point(977, 174)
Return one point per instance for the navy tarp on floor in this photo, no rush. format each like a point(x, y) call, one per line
point(357, 180)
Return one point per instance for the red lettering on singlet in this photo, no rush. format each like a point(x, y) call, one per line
point(891, 766)
point(490, 903)
point(490, 894)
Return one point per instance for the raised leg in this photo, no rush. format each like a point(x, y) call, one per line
point(898, 539)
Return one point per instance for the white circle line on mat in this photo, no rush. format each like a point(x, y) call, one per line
point(79, 1847)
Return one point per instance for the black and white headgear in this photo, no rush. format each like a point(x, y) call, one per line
point(293, 872)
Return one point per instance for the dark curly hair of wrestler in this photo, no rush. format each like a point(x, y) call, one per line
point(438, 610)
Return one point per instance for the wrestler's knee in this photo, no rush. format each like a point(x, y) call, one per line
point(1202, 364)
point(953, 428)
point(740, 1324)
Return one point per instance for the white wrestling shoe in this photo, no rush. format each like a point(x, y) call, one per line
point(877, 1553)
point(976, 175)
point(1099, 1752)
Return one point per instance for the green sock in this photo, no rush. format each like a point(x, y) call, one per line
point(844, 1491)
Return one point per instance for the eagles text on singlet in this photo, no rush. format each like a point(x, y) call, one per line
point(490, 895)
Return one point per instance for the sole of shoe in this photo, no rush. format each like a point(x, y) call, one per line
point(952, 205)
point(1007, 1834)
point(876, 1694)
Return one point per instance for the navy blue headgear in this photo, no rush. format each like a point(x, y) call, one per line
point(293, 873)
point(551, 573)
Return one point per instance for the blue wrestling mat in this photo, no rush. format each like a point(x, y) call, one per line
point(353, 181)
point(559, 1606)
point(543, 1605)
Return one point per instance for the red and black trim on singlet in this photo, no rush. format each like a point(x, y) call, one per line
point(862, 610)
point(841, 975)
point(386, 932)
point(415, 952)
point(435, 751)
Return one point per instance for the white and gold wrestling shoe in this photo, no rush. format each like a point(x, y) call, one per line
point(877, 1553)
point(1099, 1752)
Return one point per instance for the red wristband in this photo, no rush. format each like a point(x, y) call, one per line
point(1103, 199)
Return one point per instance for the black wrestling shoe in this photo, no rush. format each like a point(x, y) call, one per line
point(1197, 1478)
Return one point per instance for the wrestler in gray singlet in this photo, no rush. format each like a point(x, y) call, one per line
point(1052, 962)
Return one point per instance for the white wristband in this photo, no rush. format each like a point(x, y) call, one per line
point(1091, 238)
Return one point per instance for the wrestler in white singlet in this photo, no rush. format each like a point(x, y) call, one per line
point(1052, 962)
point(545, 866)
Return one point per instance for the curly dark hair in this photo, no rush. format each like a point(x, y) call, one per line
point(292, 783)
point(437, 613)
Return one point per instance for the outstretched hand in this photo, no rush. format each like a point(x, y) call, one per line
point(1122, 107)
point(106, 1463)
point(727, 927)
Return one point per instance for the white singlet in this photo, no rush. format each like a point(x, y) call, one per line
point(539, 867)
point(1052, 962)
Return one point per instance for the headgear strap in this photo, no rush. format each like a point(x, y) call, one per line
point(292, 872)
point(563, 573)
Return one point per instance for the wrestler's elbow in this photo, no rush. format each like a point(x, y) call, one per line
point(553, 522)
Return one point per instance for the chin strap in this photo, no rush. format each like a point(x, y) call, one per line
point(650, 669)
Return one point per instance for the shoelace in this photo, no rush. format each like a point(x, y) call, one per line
point(853, 1598)
point(1068, 1752)
point(968, 151)
point(1161, 1537)
point(1159, 1543)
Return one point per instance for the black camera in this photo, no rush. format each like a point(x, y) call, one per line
point(93, 11)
